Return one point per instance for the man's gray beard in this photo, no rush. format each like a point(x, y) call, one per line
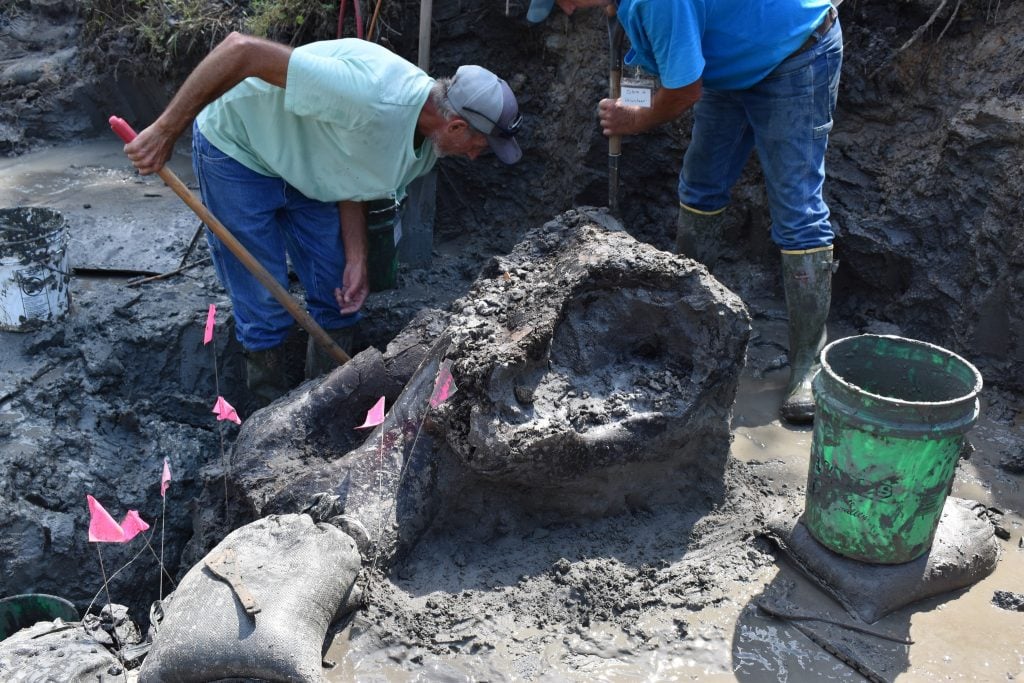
point(437, 147)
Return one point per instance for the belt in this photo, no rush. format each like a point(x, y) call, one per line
point(822, 29)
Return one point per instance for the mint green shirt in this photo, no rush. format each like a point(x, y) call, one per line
point(342, 128)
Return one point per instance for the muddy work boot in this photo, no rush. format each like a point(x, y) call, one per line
point(318, 361)
point(697, 233)
point(266, 375)
point(807, 280)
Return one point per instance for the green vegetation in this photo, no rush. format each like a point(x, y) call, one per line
point(292, 21)
point(171, 36)
point(168, 36)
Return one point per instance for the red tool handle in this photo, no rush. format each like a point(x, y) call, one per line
point(121, 127)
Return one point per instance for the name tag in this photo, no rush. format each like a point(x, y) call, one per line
point(637, 92)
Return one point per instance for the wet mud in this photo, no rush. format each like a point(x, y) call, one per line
point(924, 167)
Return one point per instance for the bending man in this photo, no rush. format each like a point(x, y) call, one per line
point(759, 74)
point(287, 147)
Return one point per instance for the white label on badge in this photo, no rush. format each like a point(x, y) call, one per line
point(636, 96)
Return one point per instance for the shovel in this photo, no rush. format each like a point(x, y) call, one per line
point(125, 132)
point(615, 35)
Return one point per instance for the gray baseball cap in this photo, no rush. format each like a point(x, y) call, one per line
point(488, 105)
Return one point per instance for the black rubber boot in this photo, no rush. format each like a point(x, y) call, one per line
point(318, 361)
point(698, 233)
point(266, 375)
point(807, 279)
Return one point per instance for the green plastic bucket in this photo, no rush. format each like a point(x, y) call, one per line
point(383, 232)
point(21, 611)
point(890, 419)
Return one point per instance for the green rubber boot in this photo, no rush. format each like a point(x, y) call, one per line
point(807, 280)
point(698, 233)
point(318, 361)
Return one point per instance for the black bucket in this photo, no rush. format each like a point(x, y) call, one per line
point(384, 230)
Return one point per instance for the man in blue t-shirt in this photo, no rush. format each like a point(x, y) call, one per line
point(759, 74)
point(288, 146)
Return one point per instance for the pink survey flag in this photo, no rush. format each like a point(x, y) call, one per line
point(444, 385)
point(224, 411)
point(375, 415)
point(132, 525)
point(165, 478)
point(103, 528)
point(210, 316)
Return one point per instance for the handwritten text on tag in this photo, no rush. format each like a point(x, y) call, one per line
point(637, 96)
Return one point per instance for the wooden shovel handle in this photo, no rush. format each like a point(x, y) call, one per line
point(125, 132)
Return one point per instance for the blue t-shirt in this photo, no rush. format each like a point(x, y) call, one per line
point(731, 44)
point(343, 128)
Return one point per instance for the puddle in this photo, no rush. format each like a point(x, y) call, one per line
point(119, 221)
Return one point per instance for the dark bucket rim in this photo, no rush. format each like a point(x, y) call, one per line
point(66, 611)
point(21, 596)
point(833, 376)
point(52, 224)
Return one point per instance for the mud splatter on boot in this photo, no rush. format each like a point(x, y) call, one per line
point(698, 233)
point(266, 375)
point(807, 280)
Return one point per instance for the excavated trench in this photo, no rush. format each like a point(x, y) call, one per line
point(925, 176)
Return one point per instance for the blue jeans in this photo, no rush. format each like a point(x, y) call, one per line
point(275, 223)
point(787, 117)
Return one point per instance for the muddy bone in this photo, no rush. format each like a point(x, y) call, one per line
point(588, 364)
point(585, 354)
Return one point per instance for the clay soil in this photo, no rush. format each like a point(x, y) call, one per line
point(925, 185)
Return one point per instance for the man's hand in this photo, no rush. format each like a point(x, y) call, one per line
point(150, 149)
point(666, 104)
point(355, 281)
point(618, 119)
point(355, 287)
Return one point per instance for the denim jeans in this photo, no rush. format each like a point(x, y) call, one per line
point(275, 223)
point(786, 117)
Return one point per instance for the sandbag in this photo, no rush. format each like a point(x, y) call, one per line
point(56, 651)
point(964, 551)
point(257, 606)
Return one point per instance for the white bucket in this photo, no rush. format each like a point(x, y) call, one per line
point(34, 272)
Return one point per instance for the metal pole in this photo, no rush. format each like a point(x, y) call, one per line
point(426, 14)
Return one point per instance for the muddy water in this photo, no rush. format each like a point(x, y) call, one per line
point(120, 221)
point(958, 636)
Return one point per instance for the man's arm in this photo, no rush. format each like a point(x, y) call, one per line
point(235, 58)
point(355, 281)
point(667, 104)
